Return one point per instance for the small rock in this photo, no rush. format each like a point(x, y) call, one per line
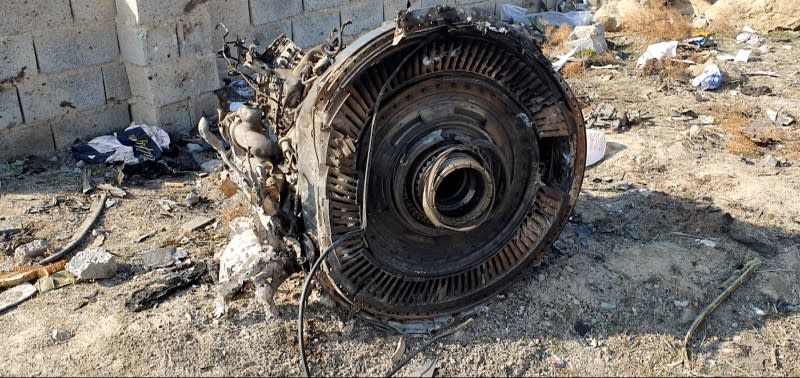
point(196, 223)
point(758, 311)
point(624, 186)
point(540, 277)
point(10, 227)
point(687, 316)
point(708, 243)
point(581, 328)
point(678, 151)
point(162, 257)
point(211, 166)
point(60, 336)
point(769, 161)
point(681, 303)
point(695, 132)
point(93, 264)
point(556, 361)
point(608, 179)
point(35, 248)
point(607, 306)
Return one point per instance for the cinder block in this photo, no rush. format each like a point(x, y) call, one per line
point(89, 124)
point(234, 14)
point(26, 140)
point(146, 45)
point(391, 7)
point(312, 5)
point(171, 117)
point(311, 29)
point(115, 81)
point(174, 81)
point(263, 35)
point(204, 105)
point(47, 96)
point(93, 10)
point(16, 54)
point(488, 6)
point(140, 12)
point(194, 34)
point(366, 14)
point(10, 113)
point(21, 16)
point(266, 11)
point(79, 46)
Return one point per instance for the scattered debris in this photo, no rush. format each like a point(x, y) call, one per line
point(135, 144)
point(758, 311)
point(158, 290)
point(29, 273)
point(607, 306)
point(211, 166)
point(760, 132)
point(35, 248)
point(749, 36)
point(399, 351)
point(681, 303)
point(606, 115)
point(763, 73)
point(16, 295)
point(10, 227)
point(428, 368)
point(658, 51)
point(93, 264)
point(113, 190)
point(162, 257)
point(55, 281)
point(589, 37)
point(777, 117)
point(96, 210)
point(556, 361)
point(595, 146)
point(742, 56)
point(60, 336)
point(710, 79)
point(196, 223)
point(740, 277)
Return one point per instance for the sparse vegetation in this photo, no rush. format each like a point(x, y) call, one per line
point(658, 23)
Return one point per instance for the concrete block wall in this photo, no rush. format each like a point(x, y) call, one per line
point(60, 75)
point(80, 68)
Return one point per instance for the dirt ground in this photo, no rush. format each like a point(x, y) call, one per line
point(642, 255)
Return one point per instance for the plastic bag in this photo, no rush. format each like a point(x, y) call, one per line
point(595, 146)
point(658, 51)
point(710, 79)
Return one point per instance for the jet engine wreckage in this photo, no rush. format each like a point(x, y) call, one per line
point(420, 169)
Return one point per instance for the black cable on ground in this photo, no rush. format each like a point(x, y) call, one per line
point(305, 292)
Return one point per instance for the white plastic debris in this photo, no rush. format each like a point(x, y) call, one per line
point(779, 118)
point(758, 311)
point(564, 59)
point(748, 36)
point(658, 51)
point(595, 146)
point(709, 79)
point(588, 37)
point(245, 259)
point(725, 57)
point(519, 15)
point(742, 56)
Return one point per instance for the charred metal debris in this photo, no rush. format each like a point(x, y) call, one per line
point(413, 173)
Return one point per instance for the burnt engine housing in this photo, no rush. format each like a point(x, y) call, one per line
point(445, 140)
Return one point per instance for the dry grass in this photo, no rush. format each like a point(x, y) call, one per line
point(658, 24)
point(556, 40)
point(732, 122)
point(589, 59)
point(665, 69)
